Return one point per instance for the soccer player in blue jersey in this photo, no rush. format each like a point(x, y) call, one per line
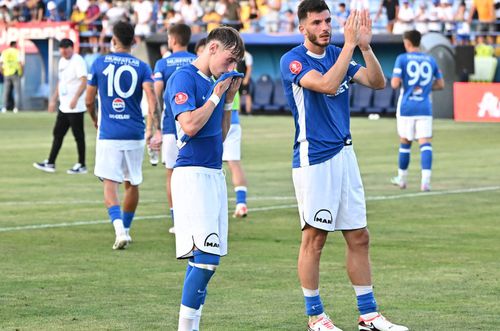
point(232, 150)
point(202, 108)
point(326, 177)
point(417, 74)
point(178, 40)
point(120, 80)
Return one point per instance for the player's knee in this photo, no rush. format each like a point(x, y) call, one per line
point(360, 238)
point(205, 261)
point(314, 240)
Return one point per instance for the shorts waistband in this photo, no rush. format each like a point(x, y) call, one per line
point(200, 170)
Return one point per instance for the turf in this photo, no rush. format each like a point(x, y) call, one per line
point(435, 255)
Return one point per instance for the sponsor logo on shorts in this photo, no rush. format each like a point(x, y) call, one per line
point(323, 216)
point(212, 240)
point(295, 67)
point(181, 98)
point(118, 105)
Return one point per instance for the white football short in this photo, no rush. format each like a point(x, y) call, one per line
point(232, 144)
point(169, 150)
point(330, 195)
point(200, 199)
point(414, 127)
point(119, 162)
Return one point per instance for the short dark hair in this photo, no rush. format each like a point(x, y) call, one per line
point(413, 36)
point(65, 43)
point(13, 43)
point(124, 31)
point(311, 6)
point(200, 43)
point(181, 32)
point(229, 38)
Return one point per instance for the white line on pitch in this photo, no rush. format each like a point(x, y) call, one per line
point(289, 206)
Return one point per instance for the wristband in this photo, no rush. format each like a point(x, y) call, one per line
point(228, 106)
point(215, 99)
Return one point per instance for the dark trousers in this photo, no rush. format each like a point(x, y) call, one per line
point(63, 122)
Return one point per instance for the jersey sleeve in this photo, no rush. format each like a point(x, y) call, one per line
point(81, 68)
point(92, 75)
point(147, 76)
point(157, 72)
point(293, 67)
point(181, 93)
point(398, 67)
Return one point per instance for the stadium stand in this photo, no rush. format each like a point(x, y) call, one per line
point(263, 93)
point(362, 97)
point(279, 99)
point(382, 100)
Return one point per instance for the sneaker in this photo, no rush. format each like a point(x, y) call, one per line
point(323, 323)
point(425, 187)
point(378, 323)
point(77, 169)
point(15, 110)
point(171, 230)
point(129, 239)
point(240, 211)
point(4, 110)
point(45, 166)
point(398, 182)
point(121, 242)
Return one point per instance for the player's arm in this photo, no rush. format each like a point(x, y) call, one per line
point(90, 102)
point(159, 88)
point(438, 84)
point(53, 99)
point(395, 82)
point(371, 76)
point(79, 92)
point(192, 121)
point(228, 106)
point(331, 80)
point(153, 122)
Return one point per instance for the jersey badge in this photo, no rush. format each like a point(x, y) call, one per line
point(295, 67)
point(181, 98)
point(118, 105)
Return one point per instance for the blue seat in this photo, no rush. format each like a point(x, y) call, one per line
point(382, 100)
point(393, 108)
point(361, 98)
point(279, 100)
point(262, 97)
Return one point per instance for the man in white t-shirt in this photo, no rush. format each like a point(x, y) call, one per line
point(70, 90)
point(143, 14)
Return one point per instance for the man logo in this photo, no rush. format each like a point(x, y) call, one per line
point(181, 98)
point(212, 240)
point(118, 105)
point(323, 216)
point(295, 67)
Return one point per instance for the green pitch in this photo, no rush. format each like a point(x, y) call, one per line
point(436, 256)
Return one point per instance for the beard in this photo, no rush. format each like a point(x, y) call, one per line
point(314, 40)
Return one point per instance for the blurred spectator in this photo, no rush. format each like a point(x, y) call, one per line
point(172, 17)
point(391, 10)
point(53, 13)
point(462, 27)
point(5, 17)
point(164, 51)
point(191, 13)
point(253, 16)
point(21, 13)
point(433, 14)
point(288, 24)
point(77, 18)
point(340, 16)
point(272, 18)
point(37, 9)
point(211, 18)
point(12, 70)
point(245, 66)
point(405, 18)
point(232, 14)
point(482, 48)
point(486, 15)
point(421, 18)
point(446, 16)
point(143, 14)
point(112, 16)
point(497, 16)
point(92, 17)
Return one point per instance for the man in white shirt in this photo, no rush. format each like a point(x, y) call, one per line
point(70, 90)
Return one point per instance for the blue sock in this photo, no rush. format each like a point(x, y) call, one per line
point(195, 284)
point(128, 217)
point(426, 156)
point(114, 213)
point(241, 194)
point(404, 156)
point(366, 303)
point(314, 306)
point(172, 215)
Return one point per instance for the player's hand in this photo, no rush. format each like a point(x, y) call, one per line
point(233, 88)
point(365, 30)
point(351, 29)
point(72, 104)
point(52, 106)
point(155, 141)
point(222, 87)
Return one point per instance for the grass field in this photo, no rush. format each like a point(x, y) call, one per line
point(436, 256)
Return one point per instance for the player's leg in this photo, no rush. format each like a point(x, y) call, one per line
point(132, 170)
point(194, 289)
point(169, 157)
point(112, 203)
point(60, 129)
point(76, 123)
point(240, 188)
point(405, 130)
point(130, 202)
point(424, 136)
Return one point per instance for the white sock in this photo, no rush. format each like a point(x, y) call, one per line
point(362, 289)
point(196, 322)
point(127, 232)
point(310, 293)
point(402, 174)
point(426, 176)
point(186, 318)
point(119, 229)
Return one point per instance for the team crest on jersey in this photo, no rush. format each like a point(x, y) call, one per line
point(295, 67)
point(118, 105)
point(181, 98)
point(157, 75)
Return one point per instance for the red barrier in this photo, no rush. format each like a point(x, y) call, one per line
point(476, 102)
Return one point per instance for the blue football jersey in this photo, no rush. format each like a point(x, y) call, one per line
point(322, 123)
point(119, 78)
point(164, 68)
point(417, 72)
